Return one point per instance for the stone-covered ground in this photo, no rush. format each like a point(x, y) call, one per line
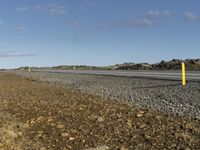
point(166, 96)
point(39, 115)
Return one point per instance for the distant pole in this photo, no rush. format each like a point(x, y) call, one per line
point(74, 67)
point(183, 74)
point(29, 69)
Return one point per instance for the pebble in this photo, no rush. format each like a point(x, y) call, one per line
point(101, 119)
point(32, 121)
point(99, 148)
point(12, 134)
point(139, 115)
point(65, 134)
point(71, 138)
point(60, 126)
point(26, 126)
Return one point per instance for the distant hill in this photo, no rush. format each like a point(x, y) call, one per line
point(174, 64)
point(191, 64)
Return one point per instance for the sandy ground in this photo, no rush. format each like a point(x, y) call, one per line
point(39, 116)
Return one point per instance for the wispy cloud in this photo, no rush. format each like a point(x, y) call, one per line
point(20, 29)
point(191, 16)
point(52, 9)
point(153, 13)
point(168, 13)
point(91, 2)
point(87, 4)
point(150, 19)
point(141, 23)
point(159, 14)
point(77, 24)
point(15, 54)
point(22, 9)
point(103, 26)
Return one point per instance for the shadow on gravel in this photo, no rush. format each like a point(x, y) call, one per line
point(157, 86)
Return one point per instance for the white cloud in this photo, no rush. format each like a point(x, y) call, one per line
point(159, 14)
point(38, 7)
point(15, 54)
point(20, 29)
point(192, 17)
point(22, 9)
point(57, 10)
point(52, 9)
point(168, 13)
point(149, 19)
point(152, 13)
point(142, 23)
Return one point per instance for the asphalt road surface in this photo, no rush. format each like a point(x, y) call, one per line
point(166, 75)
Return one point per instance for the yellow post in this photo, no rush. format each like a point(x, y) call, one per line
point(183, 74)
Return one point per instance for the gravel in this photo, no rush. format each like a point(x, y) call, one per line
point(166, 96)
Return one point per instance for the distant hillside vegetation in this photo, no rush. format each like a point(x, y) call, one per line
point(191, 64)
point(174, 64)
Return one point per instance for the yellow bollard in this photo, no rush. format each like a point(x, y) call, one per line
point(183, 74)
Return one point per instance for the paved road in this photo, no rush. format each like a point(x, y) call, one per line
point(167, 75)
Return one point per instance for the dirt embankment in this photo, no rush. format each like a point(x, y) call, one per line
point(38, 115)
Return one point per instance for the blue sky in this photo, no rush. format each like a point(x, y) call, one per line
point(97, 32)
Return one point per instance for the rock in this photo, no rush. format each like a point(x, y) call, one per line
point(189, 126)
point(32, 121)
point(198, 116)
point(101, 119)
point(99, 148)
point(174, 145)
point(20, 133)
point(53, 124)
point(141, 126)
point(39, 119)
point(197, 130)
point(140, 114)
point(12, 134)
point(65, 134)
point(25, 126)
point(60, 126)
point(71, 138)
point(123, 148)
point(50, 119)
point(40, 133)
point(158, 117)
point(129, 124)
